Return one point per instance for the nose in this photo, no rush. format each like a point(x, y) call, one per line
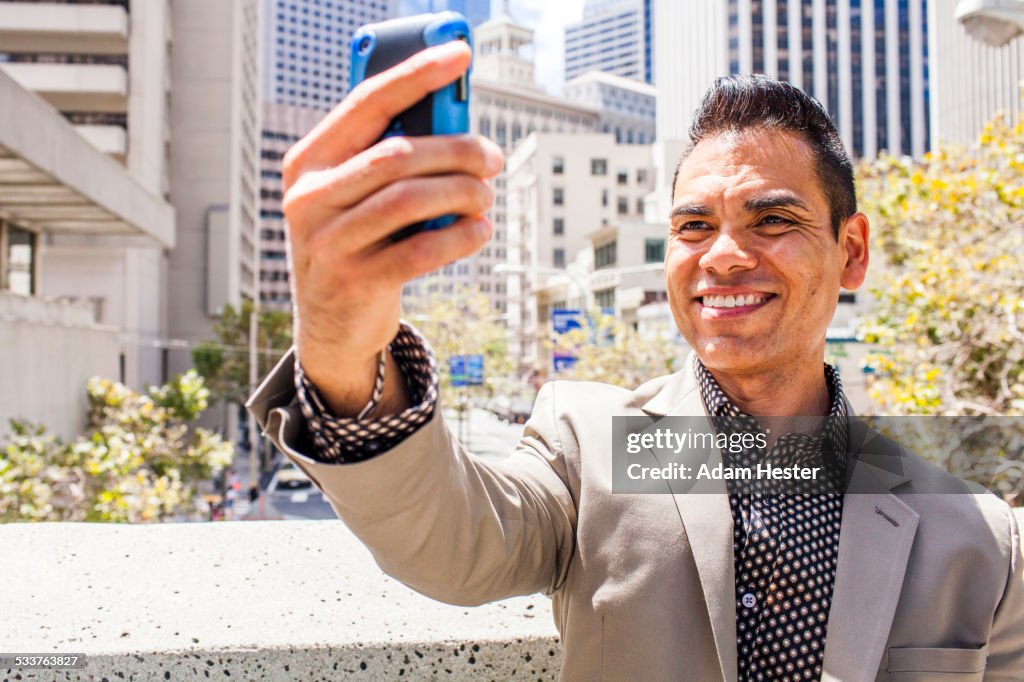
point(725, 254)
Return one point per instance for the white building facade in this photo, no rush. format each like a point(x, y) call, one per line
point(215, 129)
point(506, 106)
point(84, 217)
point(971, 81)
point(625, 107)
point(562, 188)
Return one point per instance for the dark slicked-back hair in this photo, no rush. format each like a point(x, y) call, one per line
point(739, 103)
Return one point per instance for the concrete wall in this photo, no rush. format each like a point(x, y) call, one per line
point(257, 600)
point(58, 348)
point(265, 600)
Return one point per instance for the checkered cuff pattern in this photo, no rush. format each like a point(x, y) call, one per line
point(341, 440)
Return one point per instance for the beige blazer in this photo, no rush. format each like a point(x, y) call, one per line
point(928, 586)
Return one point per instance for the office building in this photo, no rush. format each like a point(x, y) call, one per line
point(866, 61)
point(970, 81)
point(84, 215)
point(625, 107)
point(475, 11)
point(506, 105)
point(614, 36)
point(283, 126)
point(563, 190)
point(306, 53)
point(215, 128)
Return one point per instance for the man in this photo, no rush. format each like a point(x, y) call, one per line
point(886, 584)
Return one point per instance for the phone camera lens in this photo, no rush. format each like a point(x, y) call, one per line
point(364, 45)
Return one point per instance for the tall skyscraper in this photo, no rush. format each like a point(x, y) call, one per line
point(305, 73)
point(306, 54)
point(614, 37)
point(866, 61)
point(215, 124)
point(476, 11)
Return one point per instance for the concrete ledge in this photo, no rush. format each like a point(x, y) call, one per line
point(253, 600)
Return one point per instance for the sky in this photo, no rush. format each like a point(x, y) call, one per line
point(548, 18)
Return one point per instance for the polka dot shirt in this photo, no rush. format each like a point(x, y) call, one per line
point(785, 543)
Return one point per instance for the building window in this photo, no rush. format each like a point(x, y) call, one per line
point(640, 206)
point(641, 176)
point(623, 205)
point(485, 126)
point(604, 256)
point(558, 196)
point(605, 298)
point(599, 166)
point(622, 177)
point(18, 261)
point(557, 165)
point(499, 134)
point(558, 258)
point(559, 226)
point(604, 198)
point(654, 250)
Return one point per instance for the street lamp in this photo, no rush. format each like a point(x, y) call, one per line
point(993, 22)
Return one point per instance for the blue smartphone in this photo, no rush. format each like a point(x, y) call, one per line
point(378, 47)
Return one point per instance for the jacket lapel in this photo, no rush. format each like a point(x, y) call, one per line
point(707, 521)
point(874, 546)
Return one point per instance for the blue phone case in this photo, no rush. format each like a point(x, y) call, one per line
point(377, 47)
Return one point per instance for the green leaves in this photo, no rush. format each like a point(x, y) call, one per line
point(950, 281)
point(138, 461)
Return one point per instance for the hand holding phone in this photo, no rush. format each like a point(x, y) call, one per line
point(347, 191)
point(445, 111)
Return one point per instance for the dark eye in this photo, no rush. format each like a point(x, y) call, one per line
point(693, 226)
point(772, 221)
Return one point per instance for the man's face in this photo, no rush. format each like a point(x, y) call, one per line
point(753, 269)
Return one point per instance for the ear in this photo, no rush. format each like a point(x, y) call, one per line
point(853, 241)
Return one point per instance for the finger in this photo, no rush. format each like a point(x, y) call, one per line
point(427, 251)
point(400, 204)
point(363, 116)
point(317, 197)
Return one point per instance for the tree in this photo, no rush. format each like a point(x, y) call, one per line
point(138, 461)
point(948, 238)
point(463, 323)
point(949, 317)
point(224, 361)
point(611, 351)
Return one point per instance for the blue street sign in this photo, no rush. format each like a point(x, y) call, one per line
point(466, 370)
point(565, 319)
point(562, 361)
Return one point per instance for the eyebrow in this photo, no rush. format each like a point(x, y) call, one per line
point(761, 203)
point(692, 210)
point(775, 200)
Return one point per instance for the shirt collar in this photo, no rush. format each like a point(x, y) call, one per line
point(719, 406)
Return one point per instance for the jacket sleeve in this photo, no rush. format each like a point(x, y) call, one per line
point(450, 525)
point(1006, 643)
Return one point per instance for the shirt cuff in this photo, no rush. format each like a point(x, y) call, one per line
point(342, 440)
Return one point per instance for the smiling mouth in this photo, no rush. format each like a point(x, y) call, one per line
point(719, 302)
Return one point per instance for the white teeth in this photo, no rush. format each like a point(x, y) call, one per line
point(732, 301)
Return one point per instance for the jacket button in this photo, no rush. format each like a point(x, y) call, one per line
point(749, 600)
